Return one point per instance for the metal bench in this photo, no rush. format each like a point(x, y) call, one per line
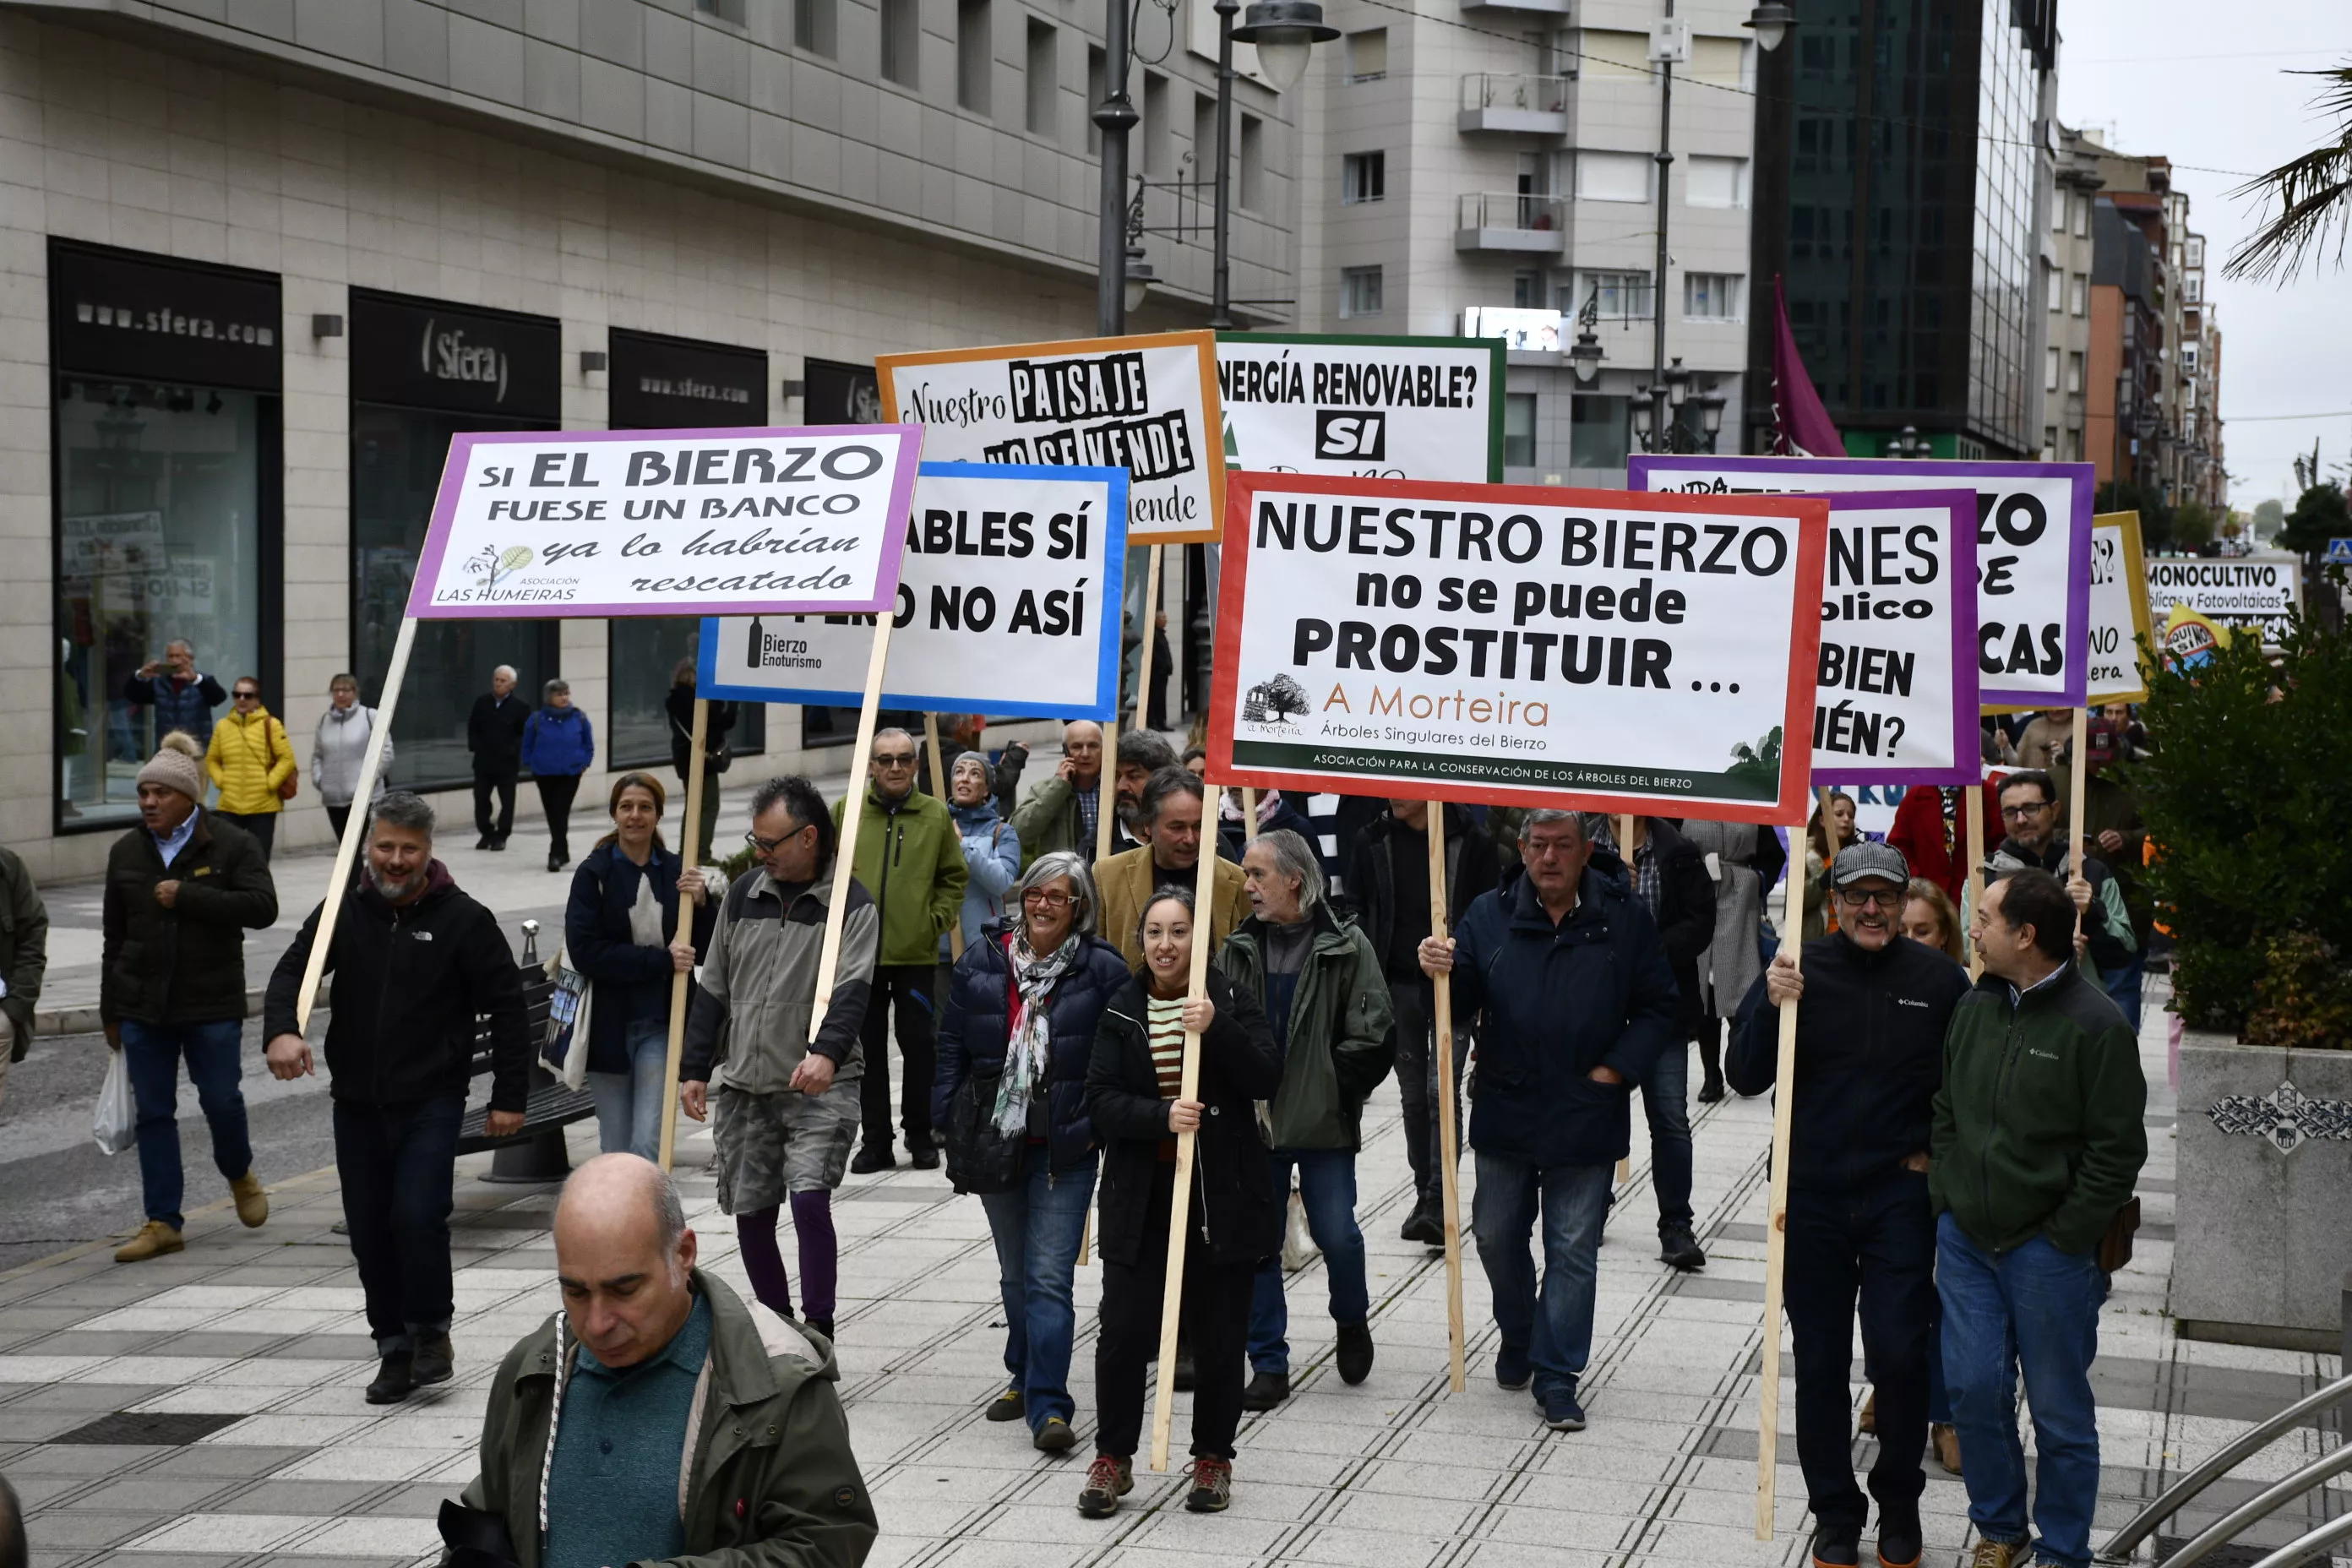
point(535, 1152)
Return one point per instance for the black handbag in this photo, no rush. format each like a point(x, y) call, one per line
point(474, 1539)
point(979, 1158)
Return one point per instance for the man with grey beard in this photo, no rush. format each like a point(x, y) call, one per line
point(415, 962)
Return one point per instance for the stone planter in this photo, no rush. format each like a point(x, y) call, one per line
point(2263, 1193)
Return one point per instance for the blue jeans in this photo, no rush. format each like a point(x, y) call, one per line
point(629, 1104)
point(151, 1054)
point(1036, 1226)
point(2035, 1309)
point(2123, 988)
point(1574, 1201)
point(397, 1164)
point(1327, 1183)
point(1666, 1102)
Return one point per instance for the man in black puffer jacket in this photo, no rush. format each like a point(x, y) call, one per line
point(1869, 1057)
point(414, 962)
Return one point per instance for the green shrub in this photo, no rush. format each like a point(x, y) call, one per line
point(2303, 999)
point(2248, 804)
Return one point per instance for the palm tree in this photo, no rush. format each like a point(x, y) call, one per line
point(2312, 195)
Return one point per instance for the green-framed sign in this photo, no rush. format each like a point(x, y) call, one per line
point(1363, 408)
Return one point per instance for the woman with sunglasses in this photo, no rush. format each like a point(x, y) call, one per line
point(1019, 1030)
point(249, 761)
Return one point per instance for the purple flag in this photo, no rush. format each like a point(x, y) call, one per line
point(1800, 426)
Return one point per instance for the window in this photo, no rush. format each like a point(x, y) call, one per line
point(1154, 155)
point(2082, 215)
point(2050, 442)
point(2078, 294)
point(1600, 431)
point(2074, 371)
point(2197, 250)
point(1099, 88)
point(2053, 288)
point(2188, 356)
point(1360, 291)
point(1716, 182)
point(902, 41)
point(1363, 177)
point(1252, 194)
point(1612, 176)
point(1624, 296)
point(1614, 55)
point(1045, 89)
point(1519, 430)
point(1368, 55)
point(972, 55)
point(1711, 296)
point(725, 10)
point(2050, 371)
point(2193, 288)
point(2058, 212)
point(1527, 291)
point(2074, 445)
point(813, 28)
point(1204, 139)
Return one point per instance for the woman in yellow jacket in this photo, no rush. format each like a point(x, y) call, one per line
point(250, 759)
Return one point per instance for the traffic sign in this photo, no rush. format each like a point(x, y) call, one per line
point(2339, 553)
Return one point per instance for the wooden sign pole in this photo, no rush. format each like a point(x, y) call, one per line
point(1975, 807)
point(939, 789)
point(2074, 801)
point(355, 827)
point(828, 959)
point(681, 982)
point(1441, 1016)
point(1140, 719)
point(1106, 789)
point(1624, 831)
point(1249, 815)
point(1776, 1229)
point(1179, 1207)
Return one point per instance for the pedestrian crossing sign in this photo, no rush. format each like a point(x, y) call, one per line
point(2339, 553)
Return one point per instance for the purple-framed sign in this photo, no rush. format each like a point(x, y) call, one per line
point(669, 522)
point(2034, 551)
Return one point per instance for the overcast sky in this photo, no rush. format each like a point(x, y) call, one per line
point(2205, 86)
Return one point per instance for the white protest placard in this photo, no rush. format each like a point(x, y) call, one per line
point(2259, 591)
point(1520, 644)
point(1371, 407)
point(1147, 404)
point(2033, 548)
point(666, 522)
point(1007, 603)
point(2119, 610)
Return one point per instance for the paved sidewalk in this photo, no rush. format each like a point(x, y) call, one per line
point(206, 1410)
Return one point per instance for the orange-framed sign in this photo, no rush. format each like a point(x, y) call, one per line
point(1147, 404)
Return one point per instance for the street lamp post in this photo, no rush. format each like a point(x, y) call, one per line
point(1115, 117)
point(1285, 31)
point(1658, 279)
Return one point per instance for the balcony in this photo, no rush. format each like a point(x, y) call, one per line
point(1525, 8)
point(1499, 222)
point(1500, 102)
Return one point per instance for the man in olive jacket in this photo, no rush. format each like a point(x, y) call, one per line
point(2037, 1139)
point(24, 959)
point(1319, 982)
point(659, 1417)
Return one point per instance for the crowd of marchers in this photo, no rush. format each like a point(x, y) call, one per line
point(1962, 1168)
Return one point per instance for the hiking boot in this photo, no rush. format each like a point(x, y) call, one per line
point(252, 1202)
point(1355, 1354)
point(1562, 1412)
point(1900, 1540)
point(1946, 1440)
point(1266, 1390)
point(434, 1361)
point(154, 1239)
point(1108, 1481)
point(1213, 1485)
point(1512, 1368)
point(1837, 1545)
point(1866, 1424)
point(1711, 1091)
point(1009, 1405)
point(872, 1157)
point(394, 1379)
point(1054, 1437)
point(1424, 1226)
point(1679, 1248)
point(1997, 1555)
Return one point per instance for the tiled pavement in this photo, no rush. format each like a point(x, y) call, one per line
point(246, 1441)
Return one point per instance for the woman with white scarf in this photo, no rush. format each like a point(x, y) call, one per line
point(1017, 1037)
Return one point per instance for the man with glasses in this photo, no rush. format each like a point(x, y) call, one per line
point(1870, 1055)
point(909, 856)
point(2030, 813)
point(1062, 811)
point(787, 1113)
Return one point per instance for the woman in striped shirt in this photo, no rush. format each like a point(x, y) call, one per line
point(1134, 1094)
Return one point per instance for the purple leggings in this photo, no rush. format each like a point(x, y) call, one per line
point(755, 1234)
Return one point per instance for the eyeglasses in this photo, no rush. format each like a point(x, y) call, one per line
point(1044, 900)
point(1890, 898)
point(770, 846)
point(2019, 813)
point(896, 759)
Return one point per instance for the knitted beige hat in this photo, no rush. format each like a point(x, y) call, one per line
point(175, 765)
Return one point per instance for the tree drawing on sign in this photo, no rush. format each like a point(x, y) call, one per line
point(1274, 701)
point(1757, 765)
point(496, 564)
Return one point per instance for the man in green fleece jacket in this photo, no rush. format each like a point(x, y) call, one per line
point(2037, 1141)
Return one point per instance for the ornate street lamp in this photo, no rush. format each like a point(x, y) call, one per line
point(1771, 20)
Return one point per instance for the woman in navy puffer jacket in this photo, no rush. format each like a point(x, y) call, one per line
point(1019, 1030)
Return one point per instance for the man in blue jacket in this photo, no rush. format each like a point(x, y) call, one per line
point(1569, 979)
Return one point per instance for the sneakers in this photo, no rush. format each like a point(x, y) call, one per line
point(1355, 1354)
point(1054, 1437)
point(252, 1202)
point(1512, 1368)
point(1996, 1554)
point(154, 1239)
point(434, 1360)
point(1266, 1390)
point(394, 1379)
point(1901, 1542)
point(1946, 1440)
point(1562, 1412)
point(1837, 1545)
point(1213, 1485)
point(1679, 1248)
point(1009, 1405)
point(1423, 1226)
point(872, 1157)
point(1108, 1481)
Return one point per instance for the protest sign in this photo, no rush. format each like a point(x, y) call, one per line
point(2119, 606)
point(1146, 403)
point(1520, 644)
point(1386, 408)
point(1007, 603)
point(668, 522)
point(2257, 591)
point(2033, 545)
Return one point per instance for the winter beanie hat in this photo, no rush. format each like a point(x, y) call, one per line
point(174, 766)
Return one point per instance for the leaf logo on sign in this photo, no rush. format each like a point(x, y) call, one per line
point(497, 565)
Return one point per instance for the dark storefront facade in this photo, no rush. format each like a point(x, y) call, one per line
point(838, 394)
